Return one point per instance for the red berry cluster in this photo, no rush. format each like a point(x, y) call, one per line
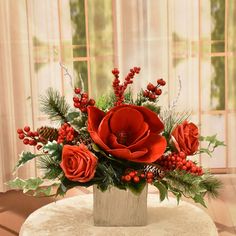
point(30, 137)
point(66, 133)
point(152, 91)
point(136, 176)
point(178, 161)
point(119, 89)
point(81, 101)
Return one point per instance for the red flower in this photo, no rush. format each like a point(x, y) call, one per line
point(185, 137)
point(78, 163)
point(128, 132)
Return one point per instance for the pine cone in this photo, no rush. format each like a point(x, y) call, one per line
point(48, 133)
point(157, 172)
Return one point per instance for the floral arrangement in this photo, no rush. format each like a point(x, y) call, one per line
point(122, 141)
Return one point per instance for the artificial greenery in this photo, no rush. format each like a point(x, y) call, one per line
point(54, 105)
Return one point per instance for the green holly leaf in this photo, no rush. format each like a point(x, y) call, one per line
point(162, 190)
point(24, 157)
point(17, 183)
point(32, 184)
point(53, 148)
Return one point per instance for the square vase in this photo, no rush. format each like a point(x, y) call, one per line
point(116, 207)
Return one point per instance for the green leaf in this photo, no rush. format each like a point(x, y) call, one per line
point(162, 190)
point(211, 139)
point(54, 105)
point(53, 148)
point(137, 188)
point(25, 157)
point(152, 106)
point(73, 115)
point(16, 183)
point(198, 198)
point(32, 184)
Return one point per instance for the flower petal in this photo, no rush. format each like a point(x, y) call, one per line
point(156, 145)
point(127, 154)
point(95, 116)
point(126, 120)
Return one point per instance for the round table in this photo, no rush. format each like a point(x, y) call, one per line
point(74, 216)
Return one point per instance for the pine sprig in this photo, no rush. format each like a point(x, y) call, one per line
point(50, 166)
point(171, 119)
point(54, 105)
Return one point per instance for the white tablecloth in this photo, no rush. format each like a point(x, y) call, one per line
point(74, 216)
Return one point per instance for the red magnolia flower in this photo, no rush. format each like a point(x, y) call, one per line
point(185, 137)
point(128, 132)
point(78, 163)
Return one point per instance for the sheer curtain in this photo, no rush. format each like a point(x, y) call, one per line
point(16, 87)
point(191, 40)
point(194, 41)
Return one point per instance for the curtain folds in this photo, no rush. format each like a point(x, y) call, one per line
point(15, 89)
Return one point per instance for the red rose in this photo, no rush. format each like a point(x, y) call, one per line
point(78, 163)
point(185, 137)
point(128, 132)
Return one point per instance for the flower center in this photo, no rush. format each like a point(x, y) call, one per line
point(122, 138)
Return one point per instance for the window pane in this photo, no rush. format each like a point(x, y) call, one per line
point(80, 74)
point(232, 82)
point(77, 11)
point(213, 83)
point(217, 25)
point(100, 27)
point(101, 77)
point(214, 124)
point(231, 26)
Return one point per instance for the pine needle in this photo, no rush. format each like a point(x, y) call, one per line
point(54, 105)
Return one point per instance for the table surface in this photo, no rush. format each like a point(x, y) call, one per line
point(74, 216)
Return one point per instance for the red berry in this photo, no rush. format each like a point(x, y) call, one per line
point(188, 164)
point(184, 168)
point(193, 169)
point(182, 155)
point(150, 180)
point(39, 147)
point(84, 101)
point(163, 83)
point(149, 175)
point(77, 90)
point(77, 105)
point(84, 109)
point(132, 174)
point(26, 141)
point(158, 91)
point(127, 178)
point(142, 175)
point(31, 142)
point(84, 95)
point(26, 128)
point(145, 93)
point(151, 87)
point(91, 102)
point(75, 99)
point(19, 131)
point(21, 136)
point(30, 134)
point(136, 179)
